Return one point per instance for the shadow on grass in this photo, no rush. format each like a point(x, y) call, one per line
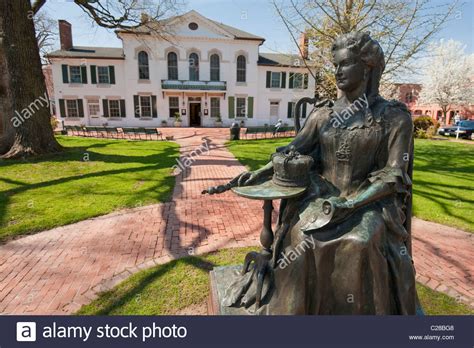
point(158, 273)
point(164, 158)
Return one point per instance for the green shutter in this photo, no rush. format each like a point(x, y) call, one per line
point(123, 112)
point(112, 74)
point(62, 108)
point(269, 78)
point(305, 81)
point(250, 107)
point(153, 104)
point(84, 74)
point(136, 106)
point(283, 80)
point(105, 107)
point(94, 74)
point(231, 107)
point(304, 110)
point(65, 73)
point(290, 110)
point(291, 82)
point(80, 106)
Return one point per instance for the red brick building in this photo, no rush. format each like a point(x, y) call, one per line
point(409, 92)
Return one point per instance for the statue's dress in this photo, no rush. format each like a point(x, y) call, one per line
point(362, 264)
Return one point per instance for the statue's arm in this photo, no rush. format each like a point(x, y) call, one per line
point(393, 178)
point(304, 143)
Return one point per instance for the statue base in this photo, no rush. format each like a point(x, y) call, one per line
point(220, 279)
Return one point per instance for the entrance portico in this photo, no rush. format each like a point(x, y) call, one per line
point(196, 108)
point(194, 111)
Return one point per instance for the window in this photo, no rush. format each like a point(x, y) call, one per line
point(172, 66)
point(72, 108)
point(193, 26)
point(103, 73)
point(240, 103)
point(298, 80)
point(291, 109)
point(409, 97)
point(274, 108)
point(94, 108)
point(145, 106)
point(75, 74)
point(114, 108)
point(143, 66)
point(276, 80)
point(174, 106)
point(193, 67)
point(215, 68)
point(215, 107)
point(241, 69)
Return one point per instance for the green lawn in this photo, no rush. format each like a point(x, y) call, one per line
point(91, 178)
point(169, 288)
point(443, 184)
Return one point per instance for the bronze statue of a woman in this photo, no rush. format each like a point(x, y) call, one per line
point(358, 263)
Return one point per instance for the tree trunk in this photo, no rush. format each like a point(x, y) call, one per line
point(24, 109)
point(445, 115)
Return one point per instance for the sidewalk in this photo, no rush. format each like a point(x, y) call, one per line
point(57, 271)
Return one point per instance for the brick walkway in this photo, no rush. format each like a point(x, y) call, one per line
point(57, 271)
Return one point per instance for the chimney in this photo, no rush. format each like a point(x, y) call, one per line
point(65, 34)
point(304, 45)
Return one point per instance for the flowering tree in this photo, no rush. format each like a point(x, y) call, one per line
point(448, 76)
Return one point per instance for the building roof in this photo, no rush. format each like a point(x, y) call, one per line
point(239, 34)
point(283, 60)
point(236, 33)
point(89, 52)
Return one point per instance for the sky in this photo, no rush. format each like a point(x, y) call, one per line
point(255, 16)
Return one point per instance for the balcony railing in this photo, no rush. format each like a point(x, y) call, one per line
point(194, 85)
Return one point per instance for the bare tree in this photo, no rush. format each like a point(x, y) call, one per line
point(448, 75)
point(403, 28)
point(22, 82)
point(46, 32)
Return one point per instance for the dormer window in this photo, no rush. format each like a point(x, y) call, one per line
point(193, 26)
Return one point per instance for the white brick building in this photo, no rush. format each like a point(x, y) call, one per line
point(207, 70)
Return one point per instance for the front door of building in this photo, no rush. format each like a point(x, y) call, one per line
point(195, 114)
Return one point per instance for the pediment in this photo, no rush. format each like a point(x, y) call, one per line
point(185, 26)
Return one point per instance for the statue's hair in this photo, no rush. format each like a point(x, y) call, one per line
point(370, 53)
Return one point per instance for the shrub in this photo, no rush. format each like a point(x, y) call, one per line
point(423, 123)
point(421, 134)
point(54, 123)
point(432, 131)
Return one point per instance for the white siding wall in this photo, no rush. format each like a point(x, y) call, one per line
point(127, 82)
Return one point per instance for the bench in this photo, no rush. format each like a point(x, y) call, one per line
point(256, 131)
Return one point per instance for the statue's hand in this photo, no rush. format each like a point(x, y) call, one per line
point(243, 179)
point(248, 178)
point(341, 203)
point(342, 208)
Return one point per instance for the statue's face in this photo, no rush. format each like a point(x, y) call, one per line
point(350, 70)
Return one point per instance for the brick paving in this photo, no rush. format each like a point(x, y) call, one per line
point(58, 271)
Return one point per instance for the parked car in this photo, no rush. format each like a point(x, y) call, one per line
point(465, 129)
